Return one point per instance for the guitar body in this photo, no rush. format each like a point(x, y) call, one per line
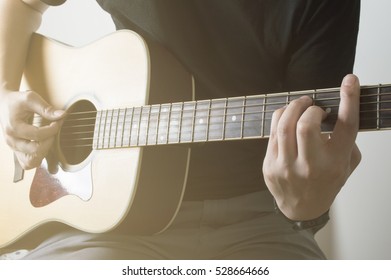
point(138, 188)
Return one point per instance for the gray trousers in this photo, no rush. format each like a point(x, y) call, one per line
point(244, 227)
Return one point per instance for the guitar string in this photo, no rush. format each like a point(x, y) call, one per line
point(146, 137)
point(245, 98)
point(108, 142)
point(121, 113)
point(222, 108)
point(228, 120)
point(70, 123)
point(111, 142)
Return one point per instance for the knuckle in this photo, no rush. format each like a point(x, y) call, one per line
point(303, 100)
point(283, 170)
point(283, 130)
point(266, 170)
point(357, 156)
point(348, 91)
point(27, 96)
point(35, 147)
point(305, 128)
point(25, 165)
point(351, 125)
point(35, 134)
point(311, 172)
point(295, 102)
point(277, 113)
point(9, 130)
point(10, 142)
point(31, 161)
point(287, 175)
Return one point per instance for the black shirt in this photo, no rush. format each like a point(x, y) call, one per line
point(244, 47)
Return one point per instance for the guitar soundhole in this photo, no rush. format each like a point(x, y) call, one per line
point(76, 135)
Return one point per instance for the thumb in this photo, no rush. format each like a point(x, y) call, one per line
point(53, 114)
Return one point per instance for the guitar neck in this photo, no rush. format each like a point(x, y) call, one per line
point(245, 117)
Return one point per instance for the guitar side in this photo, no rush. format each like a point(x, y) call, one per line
point(129, 186)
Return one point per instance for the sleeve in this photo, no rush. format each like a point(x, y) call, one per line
point(42, 5)
point(54, 2)
point(324, 41)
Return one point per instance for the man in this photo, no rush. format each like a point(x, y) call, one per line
point(232, 48)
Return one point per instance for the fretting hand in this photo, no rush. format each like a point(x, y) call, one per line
point(305, 169)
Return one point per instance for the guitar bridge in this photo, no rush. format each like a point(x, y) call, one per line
point(19, 171)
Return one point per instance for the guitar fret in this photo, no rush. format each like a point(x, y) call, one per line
point(180, 123)
point(144, 125)
point(384, 115)
point(224, 119)
point(288, 98)
point(102, 133)
point(169, 109)
point(201, 120)
point(104, 130)
point(123, 128)
point(242, 118)
point(193, 121)
point(208, 121)
point(328, 101)
point(157, 124)
point(109, 140)
point(97, 127)
point(264, 116)
point(175, 123)
point(152, 125)
point(130, 127)
point(216, 119)
point(99, 138)
point(116, 129)
point(270, 104)
point(187, 122)
point(137, 127)
point(168, 123)
point(253, 117)
point(234, 117)
point(147, 124)
point(163, 124)
point(378, 108)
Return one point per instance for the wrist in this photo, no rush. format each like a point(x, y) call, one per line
point(313, 225)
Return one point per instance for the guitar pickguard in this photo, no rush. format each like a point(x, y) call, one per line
point(47, 187)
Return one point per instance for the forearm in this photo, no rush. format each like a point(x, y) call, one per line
point(20, 19)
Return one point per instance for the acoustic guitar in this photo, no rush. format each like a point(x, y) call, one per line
point(124, 148)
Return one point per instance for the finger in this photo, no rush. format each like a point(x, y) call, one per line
point(23, 146)
point(38, 105)
point(346, 127)
point(30, 132)
point(309, 136)
point(272, 147)
point(30, 147)
point(34, 159)
point(286, 130)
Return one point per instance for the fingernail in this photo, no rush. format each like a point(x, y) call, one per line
point(58, 113)
point(349, 80)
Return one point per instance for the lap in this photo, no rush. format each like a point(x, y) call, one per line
point(244, 227)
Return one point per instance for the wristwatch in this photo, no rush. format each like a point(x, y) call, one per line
point(313, 225)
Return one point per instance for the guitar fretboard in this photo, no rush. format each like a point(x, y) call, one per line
point(234, 118)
